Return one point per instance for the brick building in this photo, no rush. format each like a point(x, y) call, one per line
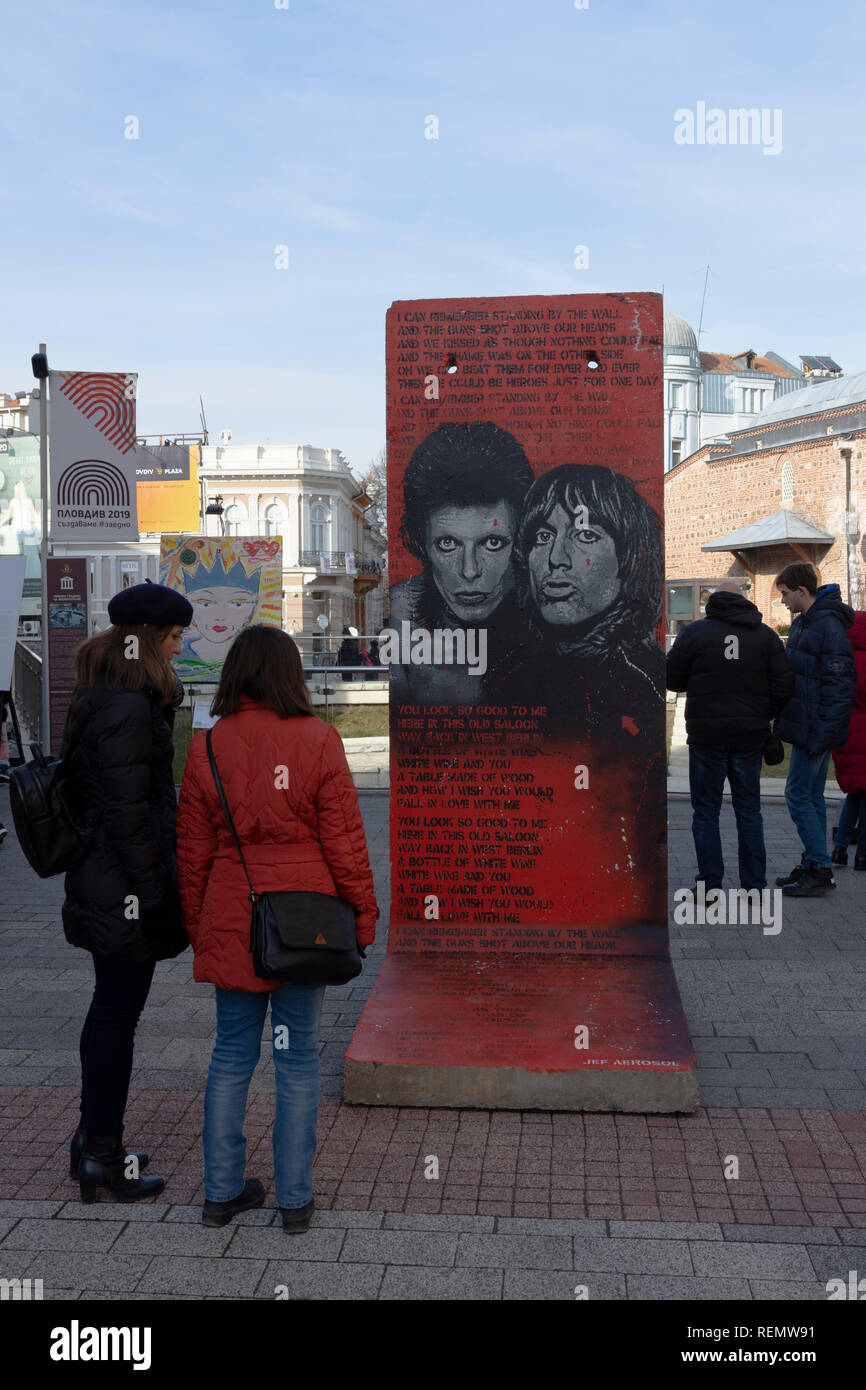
point(790, 486)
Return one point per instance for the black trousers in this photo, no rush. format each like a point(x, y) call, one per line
point(107, 1042)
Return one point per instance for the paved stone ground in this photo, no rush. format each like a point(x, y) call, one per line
point(529, 1205)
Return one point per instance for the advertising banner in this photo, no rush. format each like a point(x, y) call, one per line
point(68, 627)
point(167, 488)
point(11, 589)
point(230, 583)
point(92, 456)
point(21, 502)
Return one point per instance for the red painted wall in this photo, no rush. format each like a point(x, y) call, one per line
point(493, 845)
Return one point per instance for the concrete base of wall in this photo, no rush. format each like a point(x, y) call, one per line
point(500, 1032)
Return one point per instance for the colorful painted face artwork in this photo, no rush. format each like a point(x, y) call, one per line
point(231, 583)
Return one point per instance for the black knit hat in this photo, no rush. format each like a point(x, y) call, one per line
point(150, 603)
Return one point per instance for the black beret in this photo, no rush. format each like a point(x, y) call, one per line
point(150, 603)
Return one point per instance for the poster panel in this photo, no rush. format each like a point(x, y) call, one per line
point(167, 488)
point(68, 627)
point(526, 625)
point(11, 590)
point(231, 583)
point(92, 456)
point(21, 501)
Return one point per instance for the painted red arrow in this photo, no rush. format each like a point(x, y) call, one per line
point(628, 723)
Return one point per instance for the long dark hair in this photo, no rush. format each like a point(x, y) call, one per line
point(264, 664)
point(112, 658)
point(612, 501)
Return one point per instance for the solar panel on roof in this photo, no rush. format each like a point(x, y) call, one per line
point(829, 365)
point(813, 363)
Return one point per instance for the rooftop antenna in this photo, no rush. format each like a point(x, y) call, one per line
point(203, 420)
point(703, 302)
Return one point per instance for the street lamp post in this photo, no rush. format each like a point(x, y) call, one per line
point(215, 508)
point(39, 364)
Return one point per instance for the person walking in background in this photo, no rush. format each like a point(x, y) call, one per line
point(122, 900)
point(732, 667)
point(817, 716)
point(349, 653)
point(850, 761)
point(297, 816)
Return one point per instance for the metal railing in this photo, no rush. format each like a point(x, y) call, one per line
point(336, 560)
point(27, 691)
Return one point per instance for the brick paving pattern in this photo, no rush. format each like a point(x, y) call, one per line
point(528, 1205)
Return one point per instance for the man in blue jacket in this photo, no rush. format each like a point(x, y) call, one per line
point(815, 719)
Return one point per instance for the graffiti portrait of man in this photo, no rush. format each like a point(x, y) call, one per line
point(463, 492)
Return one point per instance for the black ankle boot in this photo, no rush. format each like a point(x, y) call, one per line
point(297, 1219)
point(860, 861)
point(220, 1213)
point(839, 854)
point(104, 1164)
point(76, 1149)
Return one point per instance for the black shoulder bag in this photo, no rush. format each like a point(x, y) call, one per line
point(297, 938)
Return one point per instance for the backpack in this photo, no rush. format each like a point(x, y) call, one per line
point(44, 810)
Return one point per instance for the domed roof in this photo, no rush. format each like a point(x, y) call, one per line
point(678, 333)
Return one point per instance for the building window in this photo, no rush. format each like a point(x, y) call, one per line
point(275, 518)
point(678, 395)
point(234, 517)
point(321, 604)
point(753, 399)
point(677, 446)
point(787, 481)
point(318, 527)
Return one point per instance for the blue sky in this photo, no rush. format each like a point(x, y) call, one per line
point(304, 127)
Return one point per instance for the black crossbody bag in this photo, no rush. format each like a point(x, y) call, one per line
point(297, 938)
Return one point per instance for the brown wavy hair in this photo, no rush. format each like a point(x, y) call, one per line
point(105, 659)
point(263, 663)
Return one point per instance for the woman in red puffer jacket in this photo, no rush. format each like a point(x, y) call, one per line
point(296, 813)
point(850, 761)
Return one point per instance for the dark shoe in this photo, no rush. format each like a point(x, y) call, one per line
point(813, 883)
point(220, 1213)
point(76, 1149)
point(839, 854)
point(297, 1219)
point(792, 877)
point(860, 861)
point(104, 1164)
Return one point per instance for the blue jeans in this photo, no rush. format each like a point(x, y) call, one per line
point(852, 819)
point(709, 765)
point(804, 793)
point(295, 1014)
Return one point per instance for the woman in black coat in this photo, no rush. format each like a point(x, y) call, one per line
point(122, 900)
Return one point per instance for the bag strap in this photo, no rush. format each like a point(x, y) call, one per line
point(228, 815)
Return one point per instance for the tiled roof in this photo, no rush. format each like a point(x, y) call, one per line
point(775, 529)
point(723, 362)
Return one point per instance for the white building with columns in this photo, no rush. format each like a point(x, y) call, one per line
point(332, 555)
point(707, 394)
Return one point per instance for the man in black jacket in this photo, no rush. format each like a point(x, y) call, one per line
point(733, 670)
point(816, 719)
